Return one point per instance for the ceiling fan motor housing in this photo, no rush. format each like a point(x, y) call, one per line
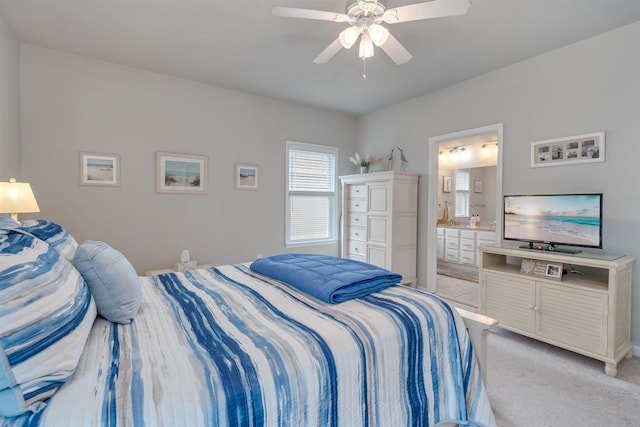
point(358, 8)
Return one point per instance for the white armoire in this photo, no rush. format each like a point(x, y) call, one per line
point(380, 220)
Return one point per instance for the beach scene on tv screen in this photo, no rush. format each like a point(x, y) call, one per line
point(570, 219)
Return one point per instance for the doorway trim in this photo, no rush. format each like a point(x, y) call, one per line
point(432, 192)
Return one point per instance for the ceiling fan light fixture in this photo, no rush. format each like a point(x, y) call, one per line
point(390, 16)
point(366, 46)
point(379, 34)
point(349, 36)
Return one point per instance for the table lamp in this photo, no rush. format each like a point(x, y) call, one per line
point(17, 197)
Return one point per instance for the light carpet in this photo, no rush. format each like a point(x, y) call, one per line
point(533, 384)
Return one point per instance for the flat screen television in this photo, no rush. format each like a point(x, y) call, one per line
point(546, 221)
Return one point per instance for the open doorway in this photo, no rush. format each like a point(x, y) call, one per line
point(478, 191)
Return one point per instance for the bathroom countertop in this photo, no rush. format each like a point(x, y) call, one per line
point(467, 227)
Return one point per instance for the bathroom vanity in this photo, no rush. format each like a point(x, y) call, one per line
point(459, 244)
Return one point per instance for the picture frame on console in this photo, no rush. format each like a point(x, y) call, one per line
point(587, 148)
point(543, 269)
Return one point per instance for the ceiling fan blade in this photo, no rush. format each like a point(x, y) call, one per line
point(426, 10)
point(329, 52)
point(294, 12)
point(396, 51)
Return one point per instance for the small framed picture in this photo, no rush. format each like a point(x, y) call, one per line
point(554, 270)
point(246, 177)
point(181, 173)
point(541, 269)
point(477, 187)
point(100, 169)
point(446, 184)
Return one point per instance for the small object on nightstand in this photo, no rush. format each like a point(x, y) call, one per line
point(185, 263)
point(186, 266)
point(175, 269)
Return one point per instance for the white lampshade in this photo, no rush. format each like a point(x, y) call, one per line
point(349, 36)
point(379, 34)
point(366, 46)
point(17, 197)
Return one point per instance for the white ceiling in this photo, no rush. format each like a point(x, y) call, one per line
point(238, 44)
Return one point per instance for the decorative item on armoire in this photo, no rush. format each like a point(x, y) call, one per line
point(364, 163)
point(403, 159)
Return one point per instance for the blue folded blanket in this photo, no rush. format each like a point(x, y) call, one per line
point(328, 278)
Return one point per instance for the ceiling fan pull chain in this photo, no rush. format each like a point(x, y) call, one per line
point(364, 68)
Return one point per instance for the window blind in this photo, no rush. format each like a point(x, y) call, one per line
point(462, 192)
point(311, 171)
point(311, 193)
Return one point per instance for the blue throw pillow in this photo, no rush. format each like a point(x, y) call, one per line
point(113, 281)
point(46, 314)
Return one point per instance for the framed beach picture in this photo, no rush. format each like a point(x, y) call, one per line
point(246, 177)
point(100, 169)
point(181, 173)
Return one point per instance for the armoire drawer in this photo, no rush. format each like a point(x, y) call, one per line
point(357, 219)
point(358, 233)
point(357, 191)
point(358, 205)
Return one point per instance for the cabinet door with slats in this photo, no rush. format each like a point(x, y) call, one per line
point(510, 300)
point(573, 317)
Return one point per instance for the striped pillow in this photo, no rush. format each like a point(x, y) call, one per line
point(46, 314)
point(53, 234)
point(7, 222)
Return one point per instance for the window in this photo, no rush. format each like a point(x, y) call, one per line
point(462, 192)
point(311, 193)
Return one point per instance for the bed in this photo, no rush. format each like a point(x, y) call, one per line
point(222, 346)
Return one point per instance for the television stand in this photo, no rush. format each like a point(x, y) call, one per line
point(588, 313)
point(549, 247)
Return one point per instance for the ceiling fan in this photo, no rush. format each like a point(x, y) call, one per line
point(366, 17)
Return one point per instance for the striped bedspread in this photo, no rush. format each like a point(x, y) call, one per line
point(230, 347)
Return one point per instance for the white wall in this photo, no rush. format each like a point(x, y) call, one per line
point(9, 105)
point(591, 86)
point(72, 104)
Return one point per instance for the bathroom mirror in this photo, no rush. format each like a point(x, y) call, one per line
point(472, 192)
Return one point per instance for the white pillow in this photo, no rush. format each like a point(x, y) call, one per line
point(113, 281)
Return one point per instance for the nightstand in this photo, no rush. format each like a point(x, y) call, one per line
point(174, 270)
